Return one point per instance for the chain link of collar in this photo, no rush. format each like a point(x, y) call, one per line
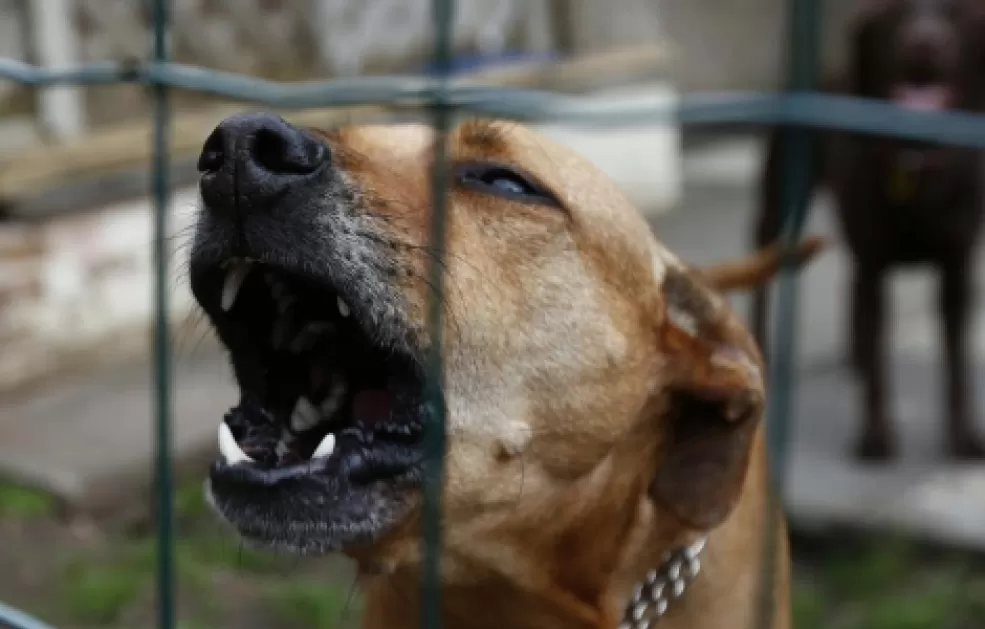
point(652, 596)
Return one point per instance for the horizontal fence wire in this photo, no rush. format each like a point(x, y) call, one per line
point(806, 108)
point(12, 618)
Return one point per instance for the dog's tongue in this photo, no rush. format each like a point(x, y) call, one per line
point(922, 97)
point(370, 407)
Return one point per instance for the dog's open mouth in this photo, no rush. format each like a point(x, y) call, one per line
point(321, 399)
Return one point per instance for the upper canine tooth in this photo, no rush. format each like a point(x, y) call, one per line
point(325, 448)
point(233, 282)
point(343, 308)
point(228, 447)
point(304, 416)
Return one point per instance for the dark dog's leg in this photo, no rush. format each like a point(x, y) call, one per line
point(868, 319)
point(955, 302)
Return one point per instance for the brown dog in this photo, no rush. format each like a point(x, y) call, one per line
point(902, 202)
point(604, 433)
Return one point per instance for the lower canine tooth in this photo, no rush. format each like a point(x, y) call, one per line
point(325, 448)
point(304, 416)
point(228, 447)
point(343, 308)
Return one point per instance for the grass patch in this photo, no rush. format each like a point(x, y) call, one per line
point(22, 502)
point(310, 605)
point(888, 585)
point(97, 595)
point(189, 503)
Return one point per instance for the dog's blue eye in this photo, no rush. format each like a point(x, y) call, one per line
point(505, 182)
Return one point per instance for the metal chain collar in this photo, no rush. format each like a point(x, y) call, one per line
point(652, 596)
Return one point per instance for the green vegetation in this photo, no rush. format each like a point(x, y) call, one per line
point(22, 502)
point(106, 581)
point(109, 583)
point(889, 585)
point(313, 605)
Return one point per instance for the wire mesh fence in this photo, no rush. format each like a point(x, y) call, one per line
point(799, 107)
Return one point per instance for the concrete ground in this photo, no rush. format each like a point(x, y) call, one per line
point(106, 444)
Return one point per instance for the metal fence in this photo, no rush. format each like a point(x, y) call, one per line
point(798, 107)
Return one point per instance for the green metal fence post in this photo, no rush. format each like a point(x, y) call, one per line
point(431, 607)
point(795, 183)
point(162, 337)
point(795, 186)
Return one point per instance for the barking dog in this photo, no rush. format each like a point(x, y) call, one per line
point(603, 405)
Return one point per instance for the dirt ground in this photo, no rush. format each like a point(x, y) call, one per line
point(80, 574)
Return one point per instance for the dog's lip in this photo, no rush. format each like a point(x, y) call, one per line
point(251, 473)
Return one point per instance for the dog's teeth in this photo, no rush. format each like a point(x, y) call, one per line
point(343, 308)
point(228, 447)
point(309, 335)
point(232, 284)
point(325, 448)
point(304, 416)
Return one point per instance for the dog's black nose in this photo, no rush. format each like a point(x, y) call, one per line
point(250, 159)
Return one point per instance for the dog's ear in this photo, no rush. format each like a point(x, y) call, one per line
point(711, 406)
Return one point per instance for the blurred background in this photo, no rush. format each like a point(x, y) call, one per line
point(898, 546)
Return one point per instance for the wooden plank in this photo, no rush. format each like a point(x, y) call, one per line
point(34, 182)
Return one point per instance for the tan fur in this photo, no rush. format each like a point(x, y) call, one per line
point(604, 404)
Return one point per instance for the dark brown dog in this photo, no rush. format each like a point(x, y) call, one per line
point(902, 202)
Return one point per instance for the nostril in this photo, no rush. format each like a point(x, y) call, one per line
point(287, 150)
point(212, 156)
